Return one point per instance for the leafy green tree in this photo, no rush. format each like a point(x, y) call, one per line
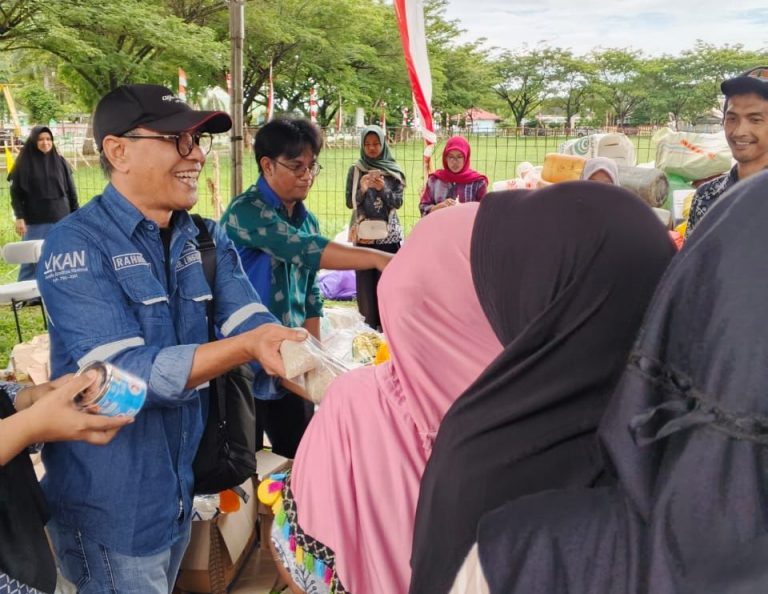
point(18, 21)
point(573, 83)
point(340, 47)
point(463, 73)
point(526, 80)
point(620, 81)
point(105, 44)
point(41, 104)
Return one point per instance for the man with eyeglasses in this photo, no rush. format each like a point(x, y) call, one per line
point(122, 280)
point(282, 250)
point(745, 121)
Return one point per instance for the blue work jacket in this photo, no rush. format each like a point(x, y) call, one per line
point(104, 283)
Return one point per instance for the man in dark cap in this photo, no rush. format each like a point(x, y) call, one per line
point(123, 282)
point(745, 119)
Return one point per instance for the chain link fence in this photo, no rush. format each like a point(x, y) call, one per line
point(495, 154)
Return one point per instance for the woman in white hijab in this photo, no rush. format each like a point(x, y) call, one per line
point(601, 169)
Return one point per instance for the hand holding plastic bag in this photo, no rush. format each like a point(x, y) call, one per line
point(310, 366)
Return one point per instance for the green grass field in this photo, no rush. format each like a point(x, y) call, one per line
point(496, 156)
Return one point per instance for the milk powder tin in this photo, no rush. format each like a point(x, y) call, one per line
point(115, 392)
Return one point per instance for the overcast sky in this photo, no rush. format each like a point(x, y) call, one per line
point(654, 26)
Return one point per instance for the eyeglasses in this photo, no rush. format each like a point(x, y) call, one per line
point(454, 158)
point(185, 141)
point(299, 170)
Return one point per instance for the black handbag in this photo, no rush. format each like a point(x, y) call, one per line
point(226, 456)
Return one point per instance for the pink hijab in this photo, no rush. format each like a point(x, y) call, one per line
point(466, 175)
point(357, 471)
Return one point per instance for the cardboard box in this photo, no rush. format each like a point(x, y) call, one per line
point(219, 548)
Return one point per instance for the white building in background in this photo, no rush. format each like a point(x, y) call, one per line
point(480, 121)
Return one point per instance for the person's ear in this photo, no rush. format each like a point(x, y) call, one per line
point(267, 166)
point(115, 150)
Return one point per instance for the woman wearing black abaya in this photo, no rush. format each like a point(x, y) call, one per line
point(42, 190)
point(687, 437)
point(567, 314)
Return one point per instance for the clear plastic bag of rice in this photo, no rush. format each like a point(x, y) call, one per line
point(309, 365)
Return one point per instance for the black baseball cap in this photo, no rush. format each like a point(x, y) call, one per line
point(154, 107)
point(751, 81)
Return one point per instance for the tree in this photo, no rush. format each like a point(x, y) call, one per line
point(526, 80)
point(573, 79)
point(17, 21)
point(340, 47)
point(127, 42)
point(42, 105)
point(680, 92)
point(620, 81)
point(463, 73)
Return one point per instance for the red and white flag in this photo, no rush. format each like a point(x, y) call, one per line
point(270, 95)
point(339, 117)
point(410, 19)
point(313, 105)
point(182, 85)
point(229, 83)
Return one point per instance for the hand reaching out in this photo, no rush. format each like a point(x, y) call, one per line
point(48, 413)
point(57, 418)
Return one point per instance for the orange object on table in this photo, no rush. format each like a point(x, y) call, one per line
point(229, 501)
point(560, 168)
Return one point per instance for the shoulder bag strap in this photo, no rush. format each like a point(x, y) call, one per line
point(208, 255)
point(207, 249)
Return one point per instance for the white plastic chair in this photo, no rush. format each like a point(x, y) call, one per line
point(21, 292)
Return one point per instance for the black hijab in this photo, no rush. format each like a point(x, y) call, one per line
point(687, 436)
point(583, 261)
point(40, 175)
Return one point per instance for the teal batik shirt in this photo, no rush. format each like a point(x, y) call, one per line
point(280, 253)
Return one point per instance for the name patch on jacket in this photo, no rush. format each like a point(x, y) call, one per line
point(189, 256)
point(65, 265)
point(128, 261)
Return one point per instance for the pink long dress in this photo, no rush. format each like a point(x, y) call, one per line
point(357, 471)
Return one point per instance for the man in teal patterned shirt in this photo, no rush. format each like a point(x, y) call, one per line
point(282, 250)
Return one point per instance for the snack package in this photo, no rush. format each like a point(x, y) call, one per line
point(364, 347)
point(309, 365)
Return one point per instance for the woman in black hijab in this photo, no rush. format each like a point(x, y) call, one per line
point(42, 189)
point(687, 438)
point(586, 258)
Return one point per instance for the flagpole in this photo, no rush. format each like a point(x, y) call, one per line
point(236, 35)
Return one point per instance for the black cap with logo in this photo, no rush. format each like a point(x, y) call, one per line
point(153, 107)
point(751, 81)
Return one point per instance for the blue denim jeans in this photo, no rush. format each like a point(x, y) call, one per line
point(94, 569)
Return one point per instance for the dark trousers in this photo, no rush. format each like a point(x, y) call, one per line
point(284, 421)
point(367, 283)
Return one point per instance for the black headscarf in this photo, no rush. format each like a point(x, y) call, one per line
point(40, 175)
point(687, 436)
point(583, 260)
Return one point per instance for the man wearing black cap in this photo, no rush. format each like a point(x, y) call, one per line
point(746, 130)
point(122, 280)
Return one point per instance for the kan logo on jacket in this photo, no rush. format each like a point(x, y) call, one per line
point(65, 265)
